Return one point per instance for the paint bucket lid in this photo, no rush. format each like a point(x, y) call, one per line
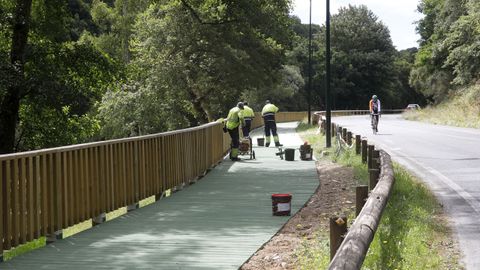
point(279, 195)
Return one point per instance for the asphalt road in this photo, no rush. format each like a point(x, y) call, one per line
point(446, 158)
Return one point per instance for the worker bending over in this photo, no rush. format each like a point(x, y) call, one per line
point(234, 119)
point(248, 116)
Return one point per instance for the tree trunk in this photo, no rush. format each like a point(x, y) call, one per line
point(200, 113)
point(11, 102)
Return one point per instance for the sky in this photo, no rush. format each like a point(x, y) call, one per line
point(398, 15)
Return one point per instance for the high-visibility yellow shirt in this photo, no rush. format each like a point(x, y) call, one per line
point(268, 112)
point(248, 112)
point(234, 118)
point(269, 108)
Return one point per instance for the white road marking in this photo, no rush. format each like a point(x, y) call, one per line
point(474, 203)
point(463, 138)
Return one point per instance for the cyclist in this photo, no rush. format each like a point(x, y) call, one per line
point(375, 109)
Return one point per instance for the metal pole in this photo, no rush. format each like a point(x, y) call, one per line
point(327, 92)
point(309, 94)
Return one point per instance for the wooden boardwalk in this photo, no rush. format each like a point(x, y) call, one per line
point(217, 223)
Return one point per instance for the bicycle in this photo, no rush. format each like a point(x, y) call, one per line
point(375, 117)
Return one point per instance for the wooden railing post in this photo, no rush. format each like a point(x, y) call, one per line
point(374, 172)
point(364, 151)
point(358, 144)
point(370, 156)
point(338, 229)
point(361, 195)
point(349, 137)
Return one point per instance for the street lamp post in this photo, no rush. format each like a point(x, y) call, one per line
point(327, 88)
point(309, 95)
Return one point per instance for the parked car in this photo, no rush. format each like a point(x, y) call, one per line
point(412, 107)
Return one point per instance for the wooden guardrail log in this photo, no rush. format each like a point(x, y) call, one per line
point(352, 251)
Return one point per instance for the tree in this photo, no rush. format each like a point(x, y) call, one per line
point(55, 81)
point(446, 57)
point(200, 55)
point(362, 59)
point(10, 104)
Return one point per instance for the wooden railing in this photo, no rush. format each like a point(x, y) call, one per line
point(45, 191)
point(318, 114)
point(48, 190)
point(280, 117)
point(354, 247)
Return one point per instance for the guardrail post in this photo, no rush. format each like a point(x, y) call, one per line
point(338, 229)
point(344, 134)
point(374, 173)
point(370, 155)
point(324, 126)
point(364, 151)
point(376, 156)
point(358, 144)
point(349, 137)
point(361, 195)
point(333, 130)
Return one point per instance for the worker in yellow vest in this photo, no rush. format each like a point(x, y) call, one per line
point(234, 120)
point(248, 115)
point(268, 114)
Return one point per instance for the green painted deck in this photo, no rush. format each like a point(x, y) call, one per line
point(216, 223)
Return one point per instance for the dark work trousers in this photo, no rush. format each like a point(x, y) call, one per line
point(270, 126)
point(376, 116)
point(247, 127)
point(234, 134)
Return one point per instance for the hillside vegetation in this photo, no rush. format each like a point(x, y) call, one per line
point(462, 109)
point(447, 65)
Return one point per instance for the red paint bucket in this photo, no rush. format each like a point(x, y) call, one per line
point(281, 204)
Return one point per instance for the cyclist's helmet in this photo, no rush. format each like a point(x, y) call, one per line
point(240, 105)
point(374, 97)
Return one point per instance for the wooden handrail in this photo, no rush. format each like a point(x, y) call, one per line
point(100, 143)
point(351, 253)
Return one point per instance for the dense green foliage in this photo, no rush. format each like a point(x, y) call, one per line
point(364, 62)
point(107, 69)
point(448, 59)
